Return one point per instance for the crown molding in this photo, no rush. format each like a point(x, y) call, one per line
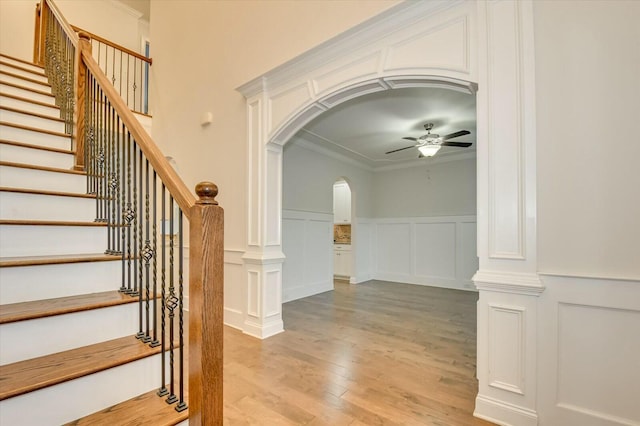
point(311, 145)
point(128, 9)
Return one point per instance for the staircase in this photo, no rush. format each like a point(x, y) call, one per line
point(68, 351)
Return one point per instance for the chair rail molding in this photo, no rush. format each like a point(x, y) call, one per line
point(484, 47)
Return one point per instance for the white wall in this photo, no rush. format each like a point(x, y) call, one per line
point(17, 18)
point(588, 109)
point(307, 224)
point(108, 19)
point(433, 189)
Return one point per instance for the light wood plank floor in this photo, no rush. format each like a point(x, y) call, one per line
point(370, 354)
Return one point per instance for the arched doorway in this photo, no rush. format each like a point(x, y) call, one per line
point(456, 45)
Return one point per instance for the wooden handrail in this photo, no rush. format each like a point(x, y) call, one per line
point(112, 44)
point(73, 37)
point(166, 172)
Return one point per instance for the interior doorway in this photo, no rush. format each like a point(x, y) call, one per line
point(342, 236)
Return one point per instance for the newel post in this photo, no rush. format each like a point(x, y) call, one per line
point(206, 262)
point(40, 33)
point(84, 44)
point(36, 36)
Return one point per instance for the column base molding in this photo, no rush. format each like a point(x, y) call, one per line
point(509, 282)
point(491, 410)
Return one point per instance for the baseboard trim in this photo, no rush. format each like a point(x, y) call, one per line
point(263, 331)
point(233, 318)
point(504, 414)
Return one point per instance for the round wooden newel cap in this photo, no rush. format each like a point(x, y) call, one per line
point(206, 192)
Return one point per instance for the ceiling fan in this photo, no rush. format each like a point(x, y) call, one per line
point(430, 144)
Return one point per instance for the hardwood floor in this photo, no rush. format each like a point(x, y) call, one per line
point(370, 354)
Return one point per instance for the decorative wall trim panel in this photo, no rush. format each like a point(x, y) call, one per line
point(437, 251)
point(308, 245)
point(589, 369)
point(507, 347)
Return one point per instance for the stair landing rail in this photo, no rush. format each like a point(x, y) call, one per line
point(146, 207)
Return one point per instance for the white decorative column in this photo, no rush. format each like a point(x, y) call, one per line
point(263, 258)
point(507, 278)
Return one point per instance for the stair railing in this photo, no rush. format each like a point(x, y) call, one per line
point(127, 70)
point(146, 207)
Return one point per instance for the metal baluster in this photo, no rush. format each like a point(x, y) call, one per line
point(155, 342)
point(134, 241)
point(147, 255)
point(141, 85)
point(120, 89)
point(134, 83)
point(182, 405)
point(128, 72)
point(172, 303)
point(107, 175)
point(129, 214)
point(120, 202)
point(140, 219)
point(163, 337)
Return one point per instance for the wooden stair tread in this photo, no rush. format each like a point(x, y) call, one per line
point(50, 222)
point(21, 77)
point(33, 101)
point(29, 89)
point(6, 262)
point(18, 67)
point(146, 409)
point(45, 192)
point(33, 114)
point(42, 168)
point(34, 129)
point(36, 373)
point(21, 60)
point(23, 311)
point(40, 147)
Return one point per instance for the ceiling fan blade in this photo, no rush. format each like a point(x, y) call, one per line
point(460, 144)
point(401, 149)
point(411, 139)
point(456, 134)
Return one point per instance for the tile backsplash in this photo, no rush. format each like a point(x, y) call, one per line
point(342, 234)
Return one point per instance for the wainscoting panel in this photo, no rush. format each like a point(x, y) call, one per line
point(590, 359)
point(307, 242)
point(234, 289)
point(393, 248)
point(436, 251)
point(361, 250)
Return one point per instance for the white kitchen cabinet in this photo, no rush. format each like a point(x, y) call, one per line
point(342, 260)
point(341, 203)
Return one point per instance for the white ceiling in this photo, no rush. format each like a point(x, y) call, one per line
point(363, 129)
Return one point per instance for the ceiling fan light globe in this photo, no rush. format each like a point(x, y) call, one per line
point(429, 150)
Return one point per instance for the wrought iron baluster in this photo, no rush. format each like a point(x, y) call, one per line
point(182, 405)
point(155, 342)
point(140, 220)
point(134, 204)
point(147, 255)
point(163, 336)
point(172, 304)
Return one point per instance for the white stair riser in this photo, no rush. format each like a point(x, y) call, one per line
point(38, 240)
point(18, 177)
point(26, 93)
point(77, 398)
point(25, 83)
point(46, 207)
point(22, 64)
point(36, 138)
point(27, 283)
point(33, 338)
point(21, 71)
point(49, 111)
point(39, 157)
point(31, 121)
